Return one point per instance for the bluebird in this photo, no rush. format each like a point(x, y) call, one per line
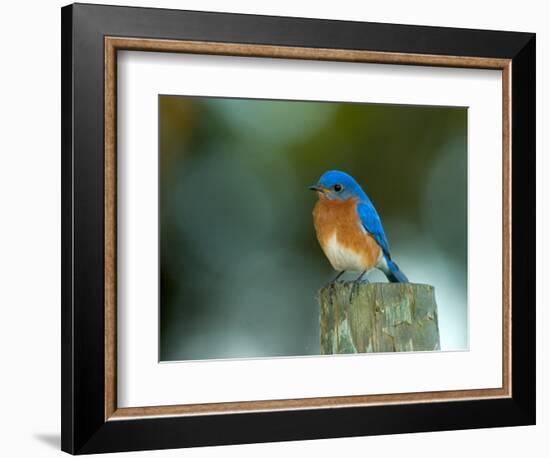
point(349, 229)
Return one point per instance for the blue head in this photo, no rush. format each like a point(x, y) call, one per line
point(336, 185)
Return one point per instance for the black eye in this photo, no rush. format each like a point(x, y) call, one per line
point(337, 187)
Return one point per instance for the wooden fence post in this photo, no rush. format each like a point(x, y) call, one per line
point(380, 317)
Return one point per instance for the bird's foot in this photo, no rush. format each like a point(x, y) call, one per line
point(337, 277)
point(332, 291)
point(331, 286)
point(355, 285)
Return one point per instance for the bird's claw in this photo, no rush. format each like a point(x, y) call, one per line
point(355, 285)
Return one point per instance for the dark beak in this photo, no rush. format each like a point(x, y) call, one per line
point(316, 188)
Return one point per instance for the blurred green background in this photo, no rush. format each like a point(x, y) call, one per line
point(240, 264)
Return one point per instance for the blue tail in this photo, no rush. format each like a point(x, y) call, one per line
point(393, 272)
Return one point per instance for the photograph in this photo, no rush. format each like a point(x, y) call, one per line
point(281, 225)
point(305, 228)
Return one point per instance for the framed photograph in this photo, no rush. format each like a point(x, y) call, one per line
point(281, 228)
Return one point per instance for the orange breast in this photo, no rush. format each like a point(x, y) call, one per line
point(341, 236)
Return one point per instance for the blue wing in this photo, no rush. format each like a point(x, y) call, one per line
point(372, 224)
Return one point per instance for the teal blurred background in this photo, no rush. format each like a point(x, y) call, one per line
point(240, 264)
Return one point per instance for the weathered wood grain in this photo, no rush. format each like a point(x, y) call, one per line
point(380, 317)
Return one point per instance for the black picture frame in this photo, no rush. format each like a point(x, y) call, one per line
point(84, 428)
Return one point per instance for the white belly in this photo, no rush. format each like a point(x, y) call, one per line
point(341, 258)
